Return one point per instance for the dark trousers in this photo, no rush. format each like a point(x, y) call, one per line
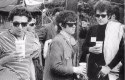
point(101, 78)
point(38, 69)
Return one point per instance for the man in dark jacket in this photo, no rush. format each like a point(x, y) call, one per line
point(101, 42)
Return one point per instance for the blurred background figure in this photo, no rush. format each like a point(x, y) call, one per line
point(115, 16)
point(49, 30)
point(37, 69)
point(31, 25)
point(84, 27)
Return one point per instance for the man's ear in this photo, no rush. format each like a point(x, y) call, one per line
point(113, 16)
point(60, 24)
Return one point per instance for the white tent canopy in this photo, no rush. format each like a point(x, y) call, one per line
point(8, 5)
point(31, 5)
point(33, 2)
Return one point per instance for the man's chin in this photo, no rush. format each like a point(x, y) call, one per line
point(101, 23)
point(73, 33)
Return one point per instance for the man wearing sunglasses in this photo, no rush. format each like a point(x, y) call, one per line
point(102, 42)
point(31, 25)
point(37, 68)
point(61, 62)
point(16, 47)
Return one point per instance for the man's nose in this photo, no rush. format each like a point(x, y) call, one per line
point(100, 17)
point(74, 26)
point(20, 26)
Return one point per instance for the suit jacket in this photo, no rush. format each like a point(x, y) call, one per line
point(60, 60)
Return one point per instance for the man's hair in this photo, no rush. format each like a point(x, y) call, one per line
point(63, 17)
point(19, 11)
point(116, 12)
point(56, 10)
point(66, 16)
point(103, 5)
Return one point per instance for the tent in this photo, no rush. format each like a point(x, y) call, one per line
point(31, 5)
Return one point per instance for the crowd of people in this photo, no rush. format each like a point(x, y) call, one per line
point(54, 53)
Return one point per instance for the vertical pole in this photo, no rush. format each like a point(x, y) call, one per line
point(77, 31)
point(65, 4)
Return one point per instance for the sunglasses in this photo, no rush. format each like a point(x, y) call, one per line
point(16, 24)
point(102, 15)
point(71, 24)
point(32, 24)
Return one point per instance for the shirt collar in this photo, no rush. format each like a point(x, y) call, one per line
point(69, 38)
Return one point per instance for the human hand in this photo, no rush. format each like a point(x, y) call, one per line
point(95, 49)
point(83, 67)
point(80, 70)
point(104, 71)
point(83, 76)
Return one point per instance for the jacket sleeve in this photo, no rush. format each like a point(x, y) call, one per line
point(58, 65)
point(36, 53)
point(33, 45)
point(119, 56)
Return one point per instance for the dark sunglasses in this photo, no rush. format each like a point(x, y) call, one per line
point(71, 24)
point(102, 15)
point(16, 24)
point(32, 24)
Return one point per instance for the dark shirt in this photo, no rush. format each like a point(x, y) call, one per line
point(82, 33)
point(94, 60)
point(100, 37)
point(101, 32)
point(97, 31)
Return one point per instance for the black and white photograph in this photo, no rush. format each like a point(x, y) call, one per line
point(62, 39)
